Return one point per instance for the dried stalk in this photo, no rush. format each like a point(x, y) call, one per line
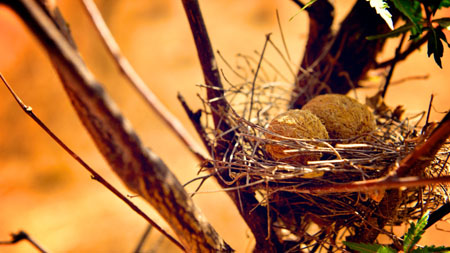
point(142, 171)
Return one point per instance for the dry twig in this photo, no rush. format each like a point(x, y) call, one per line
point(21, 235)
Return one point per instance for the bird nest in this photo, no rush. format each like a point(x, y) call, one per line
point(303, 207)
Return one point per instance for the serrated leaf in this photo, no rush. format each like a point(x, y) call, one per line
point(435, 47)
point(441, 35)
point(415, 232)
point(412, 10)
point(394, 33)
point(363, 247)
point(431, 249)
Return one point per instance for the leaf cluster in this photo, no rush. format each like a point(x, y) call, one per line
point(420, 22)
point(411, 238)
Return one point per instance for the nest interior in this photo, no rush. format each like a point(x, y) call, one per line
point(297, 213)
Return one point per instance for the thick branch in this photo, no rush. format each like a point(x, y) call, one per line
point(415, 163)
point(140, 169)
point(412, 165)
point(321, 16)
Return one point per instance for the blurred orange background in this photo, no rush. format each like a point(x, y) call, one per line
point(46, 193)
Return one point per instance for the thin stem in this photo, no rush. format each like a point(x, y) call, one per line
point(131, 75)
point(144, 237)
point(394, 63)
point(413, 46)
point(256, 76)
point(29, 111)
point(282, 36)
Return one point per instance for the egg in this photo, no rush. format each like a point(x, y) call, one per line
point(342, 116)
point(299, 124)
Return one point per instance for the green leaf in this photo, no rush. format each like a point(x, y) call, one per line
point(412, 10)
point(308, 4)
point(442, 22)
point(362, 247)
point(395, 33)
point(441, 35)
point(386, 249)
point(415, 231)
point(303, 8)
point(444, 3)
point(431, 249)
point(435, 47)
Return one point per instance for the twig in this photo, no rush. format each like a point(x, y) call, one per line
point(394, 63)
point(195, 120)
point(370, 185)
point(282, 36)
point(413, 46)
point(418, 77)
point(288, 64)
point(144, 237)
point(28, 110)
point(208, 62)
point(423, 154)
point(256, 76)
point(256, 220)
point(21, 235)
point(130, 74)
point(427, 119)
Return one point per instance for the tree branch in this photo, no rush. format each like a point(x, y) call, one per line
point(130, 74)
point(208, 63)
point(415, 163)
point(254, 215)
point(413, 46)
point(321, 16)
point(142, 171)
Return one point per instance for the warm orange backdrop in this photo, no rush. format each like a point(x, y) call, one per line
point(46, 193)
